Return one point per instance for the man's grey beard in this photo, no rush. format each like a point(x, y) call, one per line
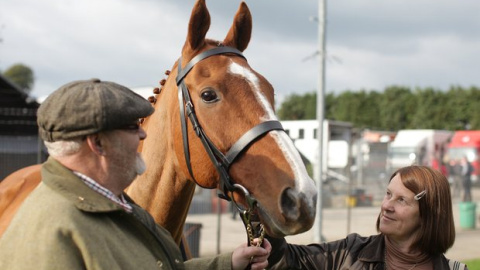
point(140, 165)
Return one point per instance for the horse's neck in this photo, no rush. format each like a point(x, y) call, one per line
point(160, 190)
point(165, 197)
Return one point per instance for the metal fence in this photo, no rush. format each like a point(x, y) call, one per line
point(366, 184)
point(363, 185)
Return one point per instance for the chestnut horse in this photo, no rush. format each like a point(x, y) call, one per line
point(214, 125)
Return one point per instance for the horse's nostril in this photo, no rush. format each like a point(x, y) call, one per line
point(289, 204)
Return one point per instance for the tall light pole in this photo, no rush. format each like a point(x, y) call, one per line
point(320, 117)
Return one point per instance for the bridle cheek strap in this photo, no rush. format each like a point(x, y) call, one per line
point(222, 162)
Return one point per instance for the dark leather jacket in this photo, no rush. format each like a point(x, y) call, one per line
point(354, 252)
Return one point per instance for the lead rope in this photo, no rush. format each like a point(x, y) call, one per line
point(246, 215)
point(252, 232)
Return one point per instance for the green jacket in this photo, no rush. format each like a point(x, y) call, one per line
point(64, 224)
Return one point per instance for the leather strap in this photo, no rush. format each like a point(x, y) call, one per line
point(221, 162)
point(249, 137)
point(218, 50)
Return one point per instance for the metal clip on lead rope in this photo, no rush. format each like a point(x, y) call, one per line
point(246, 215)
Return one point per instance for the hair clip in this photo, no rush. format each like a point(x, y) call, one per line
point(420, 195)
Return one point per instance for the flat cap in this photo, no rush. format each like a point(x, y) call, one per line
point(82, 108)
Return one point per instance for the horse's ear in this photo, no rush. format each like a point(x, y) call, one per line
point(241, 29)
point(197, 27)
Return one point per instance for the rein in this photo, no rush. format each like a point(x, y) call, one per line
point(221, 161)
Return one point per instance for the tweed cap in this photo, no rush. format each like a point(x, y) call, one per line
point(82, 108)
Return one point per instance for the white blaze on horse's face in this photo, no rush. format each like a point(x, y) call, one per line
point(253, 81)
point(304, 183)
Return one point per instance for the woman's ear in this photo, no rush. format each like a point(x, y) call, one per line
point(95, 143)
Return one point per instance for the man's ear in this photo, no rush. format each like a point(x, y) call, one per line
point(95, 143)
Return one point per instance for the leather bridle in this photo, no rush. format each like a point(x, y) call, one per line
point(221, 161)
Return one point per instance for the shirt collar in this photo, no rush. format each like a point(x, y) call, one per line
point(120, 200)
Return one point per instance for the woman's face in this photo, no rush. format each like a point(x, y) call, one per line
point(400, 216)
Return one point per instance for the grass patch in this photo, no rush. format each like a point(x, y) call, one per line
point(473, 264)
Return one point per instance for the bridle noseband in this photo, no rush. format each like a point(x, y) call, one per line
point(222, 162)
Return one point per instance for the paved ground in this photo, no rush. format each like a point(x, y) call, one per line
point(335, 226)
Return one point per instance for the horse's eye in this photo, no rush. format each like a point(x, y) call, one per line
point(209, 96)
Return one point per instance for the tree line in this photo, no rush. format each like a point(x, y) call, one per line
point(395, 108)
point(21, 75)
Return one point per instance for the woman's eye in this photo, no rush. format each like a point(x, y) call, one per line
point(209, 96)
point(402, 201)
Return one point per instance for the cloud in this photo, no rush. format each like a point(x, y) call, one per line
point(370, 44)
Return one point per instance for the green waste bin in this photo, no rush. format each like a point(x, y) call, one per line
point(467, 215)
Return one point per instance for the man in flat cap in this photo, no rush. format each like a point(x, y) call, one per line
point(79, 217)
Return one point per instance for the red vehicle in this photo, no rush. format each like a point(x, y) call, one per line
point(466, 143)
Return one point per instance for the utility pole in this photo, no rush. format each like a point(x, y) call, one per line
point(317, 235)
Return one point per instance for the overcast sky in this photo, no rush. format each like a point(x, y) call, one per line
point(371, 44)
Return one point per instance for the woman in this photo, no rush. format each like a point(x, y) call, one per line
point(415, 228)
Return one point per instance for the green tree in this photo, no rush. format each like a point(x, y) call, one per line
point(429, 112)
point(372, 110)
point(472, 107)
point(457, 105)
point(330, 104)
point(396, 107)
point(304, 107)
point(298, 107)
point(21, 75)
point(360, 108)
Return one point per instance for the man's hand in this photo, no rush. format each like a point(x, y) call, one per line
point(256, 257)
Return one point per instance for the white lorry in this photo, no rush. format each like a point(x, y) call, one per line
point(418, 146)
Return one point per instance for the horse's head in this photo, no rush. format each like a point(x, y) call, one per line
point(229, 98)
